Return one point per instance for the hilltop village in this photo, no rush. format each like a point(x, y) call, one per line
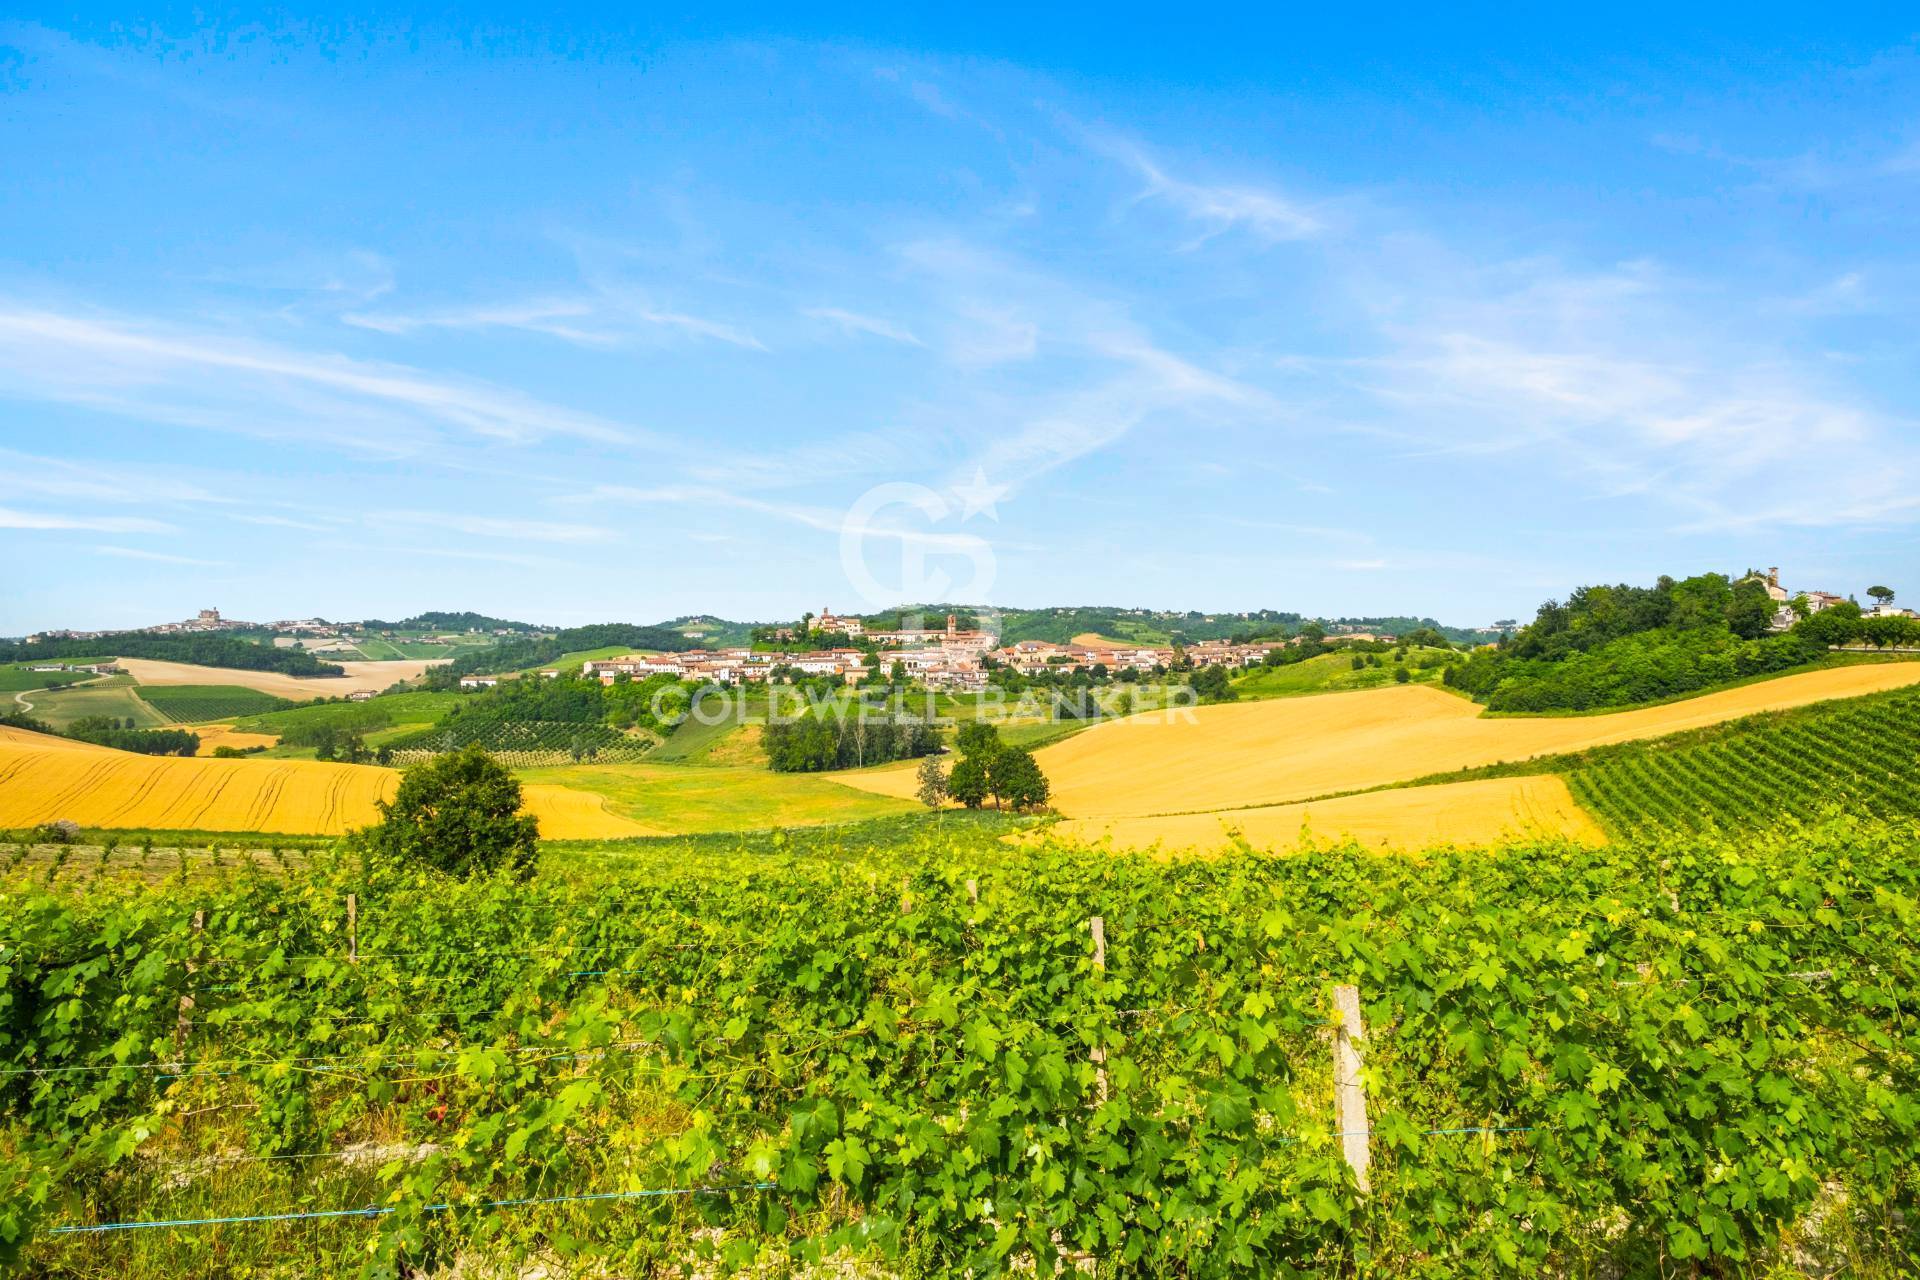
point(948, 657)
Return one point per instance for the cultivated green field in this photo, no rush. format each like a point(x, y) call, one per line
point(17, 677)
point(678, 798)
point(1861, 754)
point(197, 703)
point(412, 709)
point(116, 696)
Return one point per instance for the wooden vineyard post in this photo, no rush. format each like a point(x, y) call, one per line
point(353, 928)
point(1349, 1093)
point(906, 897)
point(184, 1020)
point(973, 891)
point(1098, 927)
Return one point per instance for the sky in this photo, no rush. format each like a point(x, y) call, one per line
point(763, 311)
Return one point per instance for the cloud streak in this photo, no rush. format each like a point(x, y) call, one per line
point(211, 379)
point(47, 521)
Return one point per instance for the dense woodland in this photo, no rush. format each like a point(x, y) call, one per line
point(1610, 646)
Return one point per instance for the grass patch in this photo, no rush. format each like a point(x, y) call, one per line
point(674, 798)
point(16, 678)
point(116, 696)
point(1335, 673)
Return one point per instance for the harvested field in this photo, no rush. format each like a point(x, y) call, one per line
point(43, 779)
point(370, 677)
point(1460, 813)
point(225, 735)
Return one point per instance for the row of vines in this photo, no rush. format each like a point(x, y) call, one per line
point(1674, 1056)
point(1860, 754)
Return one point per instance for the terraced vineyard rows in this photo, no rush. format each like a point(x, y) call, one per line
point(1861, 755)
point(1614, 1061)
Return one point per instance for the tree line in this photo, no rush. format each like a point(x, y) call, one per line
point(845, 737)
point(202, 649)
point(1608, 646)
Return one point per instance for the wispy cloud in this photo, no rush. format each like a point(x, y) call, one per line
point(854, 322)
point(1219, 208)
point(217, 380)
point(12, 518)
point(159, 557)
point(585, 321)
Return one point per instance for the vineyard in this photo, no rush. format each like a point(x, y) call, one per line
point(523, 744)
point(1672, 1056)
point(1862, 754)
point(193, 703)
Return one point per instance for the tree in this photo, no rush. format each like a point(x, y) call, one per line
point(1881, 595)
point(1014, 776)
point(933, 782)
point(458, 814)
point(978, 738)
point(1401, 675)
point(967, 782)
point(1751, 611)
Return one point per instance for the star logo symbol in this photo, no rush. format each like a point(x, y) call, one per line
point(978, 496)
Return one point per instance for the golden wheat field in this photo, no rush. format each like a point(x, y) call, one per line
point(1237, 755)
point(43, 779)
point(1465, 813)
point(360, 677)
point(225, 735)
point(1217, 764)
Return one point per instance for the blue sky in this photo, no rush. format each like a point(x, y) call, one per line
point(744, 317)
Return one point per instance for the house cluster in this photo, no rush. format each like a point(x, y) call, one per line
point(1030, 657)
point(727, 666)
point(88, 668)
point(1816, 601)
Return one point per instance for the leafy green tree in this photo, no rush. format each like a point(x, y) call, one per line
point(1213, 685)
point(978, 738)
point(1401, 675)
point(1014, 777)
point(1751, 610)
point(1881, 595)
point(1836, 625)
point(967, 782)
point(933, 782)
point(458, 814)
